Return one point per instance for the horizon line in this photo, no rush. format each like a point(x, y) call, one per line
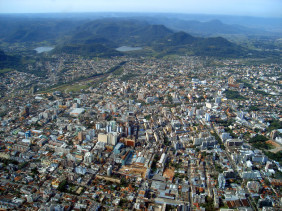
point(137, 12)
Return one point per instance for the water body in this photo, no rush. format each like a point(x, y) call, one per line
point(43, 49)
point(128, 48)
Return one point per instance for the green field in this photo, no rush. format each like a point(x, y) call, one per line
point(6, 70)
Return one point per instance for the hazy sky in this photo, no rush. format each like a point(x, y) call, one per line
point(269, 8)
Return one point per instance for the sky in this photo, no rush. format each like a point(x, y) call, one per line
point(259, 8)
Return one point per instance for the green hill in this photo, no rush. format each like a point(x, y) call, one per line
point(7, 61)
point(218, 46)
point(111, 33)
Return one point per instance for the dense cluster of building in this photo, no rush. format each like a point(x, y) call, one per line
point(160, 134)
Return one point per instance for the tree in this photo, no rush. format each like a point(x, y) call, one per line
point(169, 97)
point(123, 182)
point(253, 108)
point(258, 138)
point(209, 204)
point(23, 165)
point(35, 171)
point(109, 118)
point(147, 117)
point(274, 124)
point(259, 141)
point(62, 186)
point(234, 95)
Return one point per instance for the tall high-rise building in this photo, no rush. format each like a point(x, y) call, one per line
point(119, 129)
point(98, 126)
point(109, 171)
point(112, 138)
point(113, 125)
point(218, 100)
point(80, 136)
point(108, 128)
point(88, 157)
point(221, 181)
point(27, 134)
point(103, 138)
point(92, 133)
point(207, 117)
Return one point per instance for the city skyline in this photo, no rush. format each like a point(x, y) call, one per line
point(125, 110)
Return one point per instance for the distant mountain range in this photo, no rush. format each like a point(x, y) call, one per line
point(208, 28)
point(15, 29)
point(120, 32)
point(111, 33)
point(160, 36)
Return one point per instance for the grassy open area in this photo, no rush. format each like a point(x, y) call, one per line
point(234, 95)
point(85, 82)
point(75, 87)
point(6, 70)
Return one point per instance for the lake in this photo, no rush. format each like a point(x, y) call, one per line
point(128, 48)
point(43, 49)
